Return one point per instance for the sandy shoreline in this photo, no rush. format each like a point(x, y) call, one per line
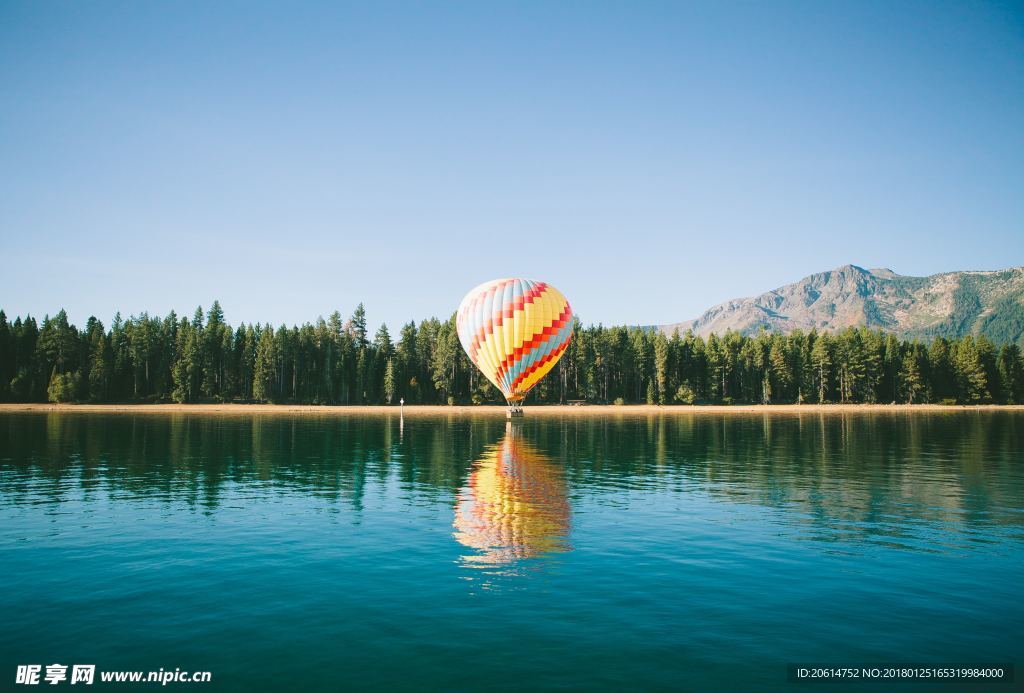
point(492, 410)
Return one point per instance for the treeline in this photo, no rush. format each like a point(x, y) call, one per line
point(335, 361)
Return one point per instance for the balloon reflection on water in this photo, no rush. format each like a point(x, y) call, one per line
point(514, 505)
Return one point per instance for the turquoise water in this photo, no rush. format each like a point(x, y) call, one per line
point(456, 553)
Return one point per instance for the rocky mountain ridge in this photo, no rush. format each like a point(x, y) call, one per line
point(950, 304)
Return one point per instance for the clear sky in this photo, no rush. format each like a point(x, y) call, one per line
point(648, 159)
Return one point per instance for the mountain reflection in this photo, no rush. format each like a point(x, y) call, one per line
point(514, 504)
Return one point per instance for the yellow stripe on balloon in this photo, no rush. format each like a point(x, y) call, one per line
point(526, 322)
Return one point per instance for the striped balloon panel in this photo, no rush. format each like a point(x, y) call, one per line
point(514, 331)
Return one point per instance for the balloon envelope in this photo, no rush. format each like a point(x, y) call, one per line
point(514, 331)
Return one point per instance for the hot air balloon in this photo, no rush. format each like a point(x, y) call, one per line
point(514, 331)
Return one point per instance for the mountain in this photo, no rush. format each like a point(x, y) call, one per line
point(951, 304)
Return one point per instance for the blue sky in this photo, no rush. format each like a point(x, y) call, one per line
point(649, 159)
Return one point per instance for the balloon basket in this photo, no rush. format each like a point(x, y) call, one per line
point(514, 413)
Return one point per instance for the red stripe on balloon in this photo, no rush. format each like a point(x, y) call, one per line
point(498, 319)
point(547, 359)
point(490, 290)
point(535, 341)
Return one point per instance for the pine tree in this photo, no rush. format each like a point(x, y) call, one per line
point(407, 371)
point(185, 364)
point(781, 374)
point(889, 388)
point(167, 354)
point(335, 359)
point(804, 368)
point(1011, 374)
point(357, 327)
point(7, 370)
point(872, 352)
point(212, 352)
point(264, 368)
point(910, 378)
point(57, 342)
point(445, 359)
point(850, 364)
point(988, 358)
point(383, 351)
point(941, 375)
point(389, 381)
point(362, 375)
point(821, 362)
point(719, 367)
point(425, 344)
point(29, 381)
point(99, 363)
point(972, 385)
point(637, 353)
point(661, 352)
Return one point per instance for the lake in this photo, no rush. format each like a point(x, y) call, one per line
point(315, 552)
